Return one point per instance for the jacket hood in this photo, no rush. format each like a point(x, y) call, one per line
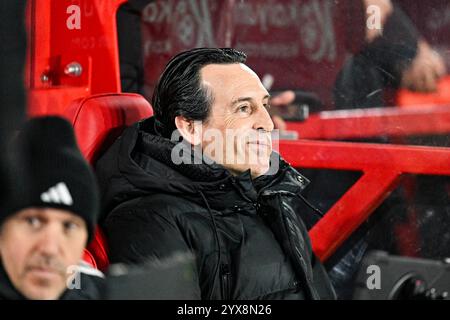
point(139, 164)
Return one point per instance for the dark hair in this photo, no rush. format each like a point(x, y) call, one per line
point(179, 91)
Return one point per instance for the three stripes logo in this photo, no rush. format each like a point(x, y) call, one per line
point(58, 194)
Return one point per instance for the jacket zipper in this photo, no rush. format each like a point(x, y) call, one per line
point(255, 204)
point(226, 281)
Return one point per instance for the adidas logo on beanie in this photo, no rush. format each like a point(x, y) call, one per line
point(58, 194)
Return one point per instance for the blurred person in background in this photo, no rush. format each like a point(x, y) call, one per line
point(395, 56)
point(50, 217)
point(392, 57)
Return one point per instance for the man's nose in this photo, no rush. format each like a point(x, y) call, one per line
point(263, 121)
point(49, 242)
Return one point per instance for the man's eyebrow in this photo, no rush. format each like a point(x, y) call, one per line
point(267, 96)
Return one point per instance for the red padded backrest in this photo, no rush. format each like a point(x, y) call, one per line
point(97, 121)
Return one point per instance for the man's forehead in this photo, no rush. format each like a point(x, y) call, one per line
point(231, 77)
point(53, 213)
point(226, 72)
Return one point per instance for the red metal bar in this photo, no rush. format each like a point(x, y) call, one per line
point(382, 166)
point(375, 122)
point(366, 156)
point(351, 211)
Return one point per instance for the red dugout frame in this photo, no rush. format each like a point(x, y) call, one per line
point(375, 122)
point(382, 166)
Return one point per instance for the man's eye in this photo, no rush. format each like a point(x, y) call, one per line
point(244, 108)
point(69, 225)
point(267, 106)
point(33, 222)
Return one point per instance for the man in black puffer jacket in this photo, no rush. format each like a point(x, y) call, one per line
point(235, 205)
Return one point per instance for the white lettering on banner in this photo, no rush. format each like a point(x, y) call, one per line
point(317, 32)
point(185, 31)
point(191, 19)
point(204, 26)
point(157, 47)
point(165, 11)
point(149, 13)
point(158, 12)
point(313, 20)
point(265, 14)
point(279, 15)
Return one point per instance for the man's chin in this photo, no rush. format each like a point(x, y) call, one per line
point(256, 170)
point(42, 293)
point(43, 289)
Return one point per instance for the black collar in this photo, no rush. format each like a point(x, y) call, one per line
point(7, 290)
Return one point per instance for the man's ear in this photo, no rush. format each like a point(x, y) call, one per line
point(190, 130)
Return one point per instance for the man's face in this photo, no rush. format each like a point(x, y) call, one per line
point(36, 247)
point(239, 113)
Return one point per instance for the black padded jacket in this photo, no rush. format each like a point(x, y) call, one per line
point(248, 236)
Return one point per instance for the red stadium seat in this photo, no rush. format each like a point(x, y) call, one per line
point(97, 121)
point(89, 258)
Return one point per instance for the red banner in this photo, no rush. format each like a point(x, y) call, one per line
point(297, 44)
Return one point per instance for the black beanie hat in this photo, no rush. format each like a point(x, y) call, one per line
point(51, 172)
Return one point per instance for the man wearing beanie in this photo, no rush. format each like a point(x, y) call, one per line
point(46, 224)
